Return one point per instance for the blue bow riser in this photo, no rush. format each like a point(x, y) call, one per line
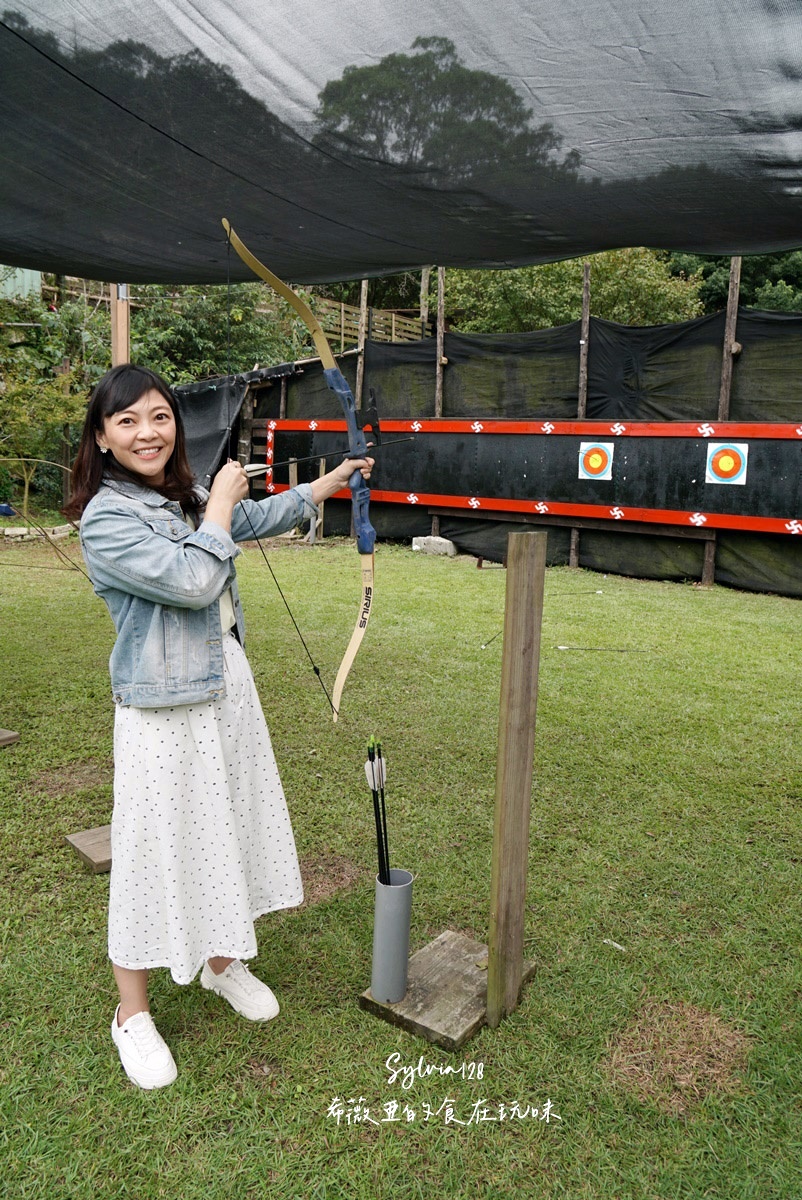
point(357, 448)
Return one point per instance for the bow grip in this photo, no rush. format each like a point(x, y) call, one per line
point(357, 448)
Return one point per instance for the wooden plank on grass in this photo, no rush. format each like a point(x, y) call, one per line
point(93, 847)
point(446, 992)
point(446, 997)
point(8, 737)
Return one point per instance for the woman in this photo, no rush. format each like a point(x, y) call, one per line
point(201, 839)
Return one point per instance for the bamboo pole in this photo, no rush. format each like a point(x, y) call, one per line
point(526, 572)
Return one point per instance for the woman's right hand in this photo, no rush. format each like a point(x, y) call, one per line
point(230, 485)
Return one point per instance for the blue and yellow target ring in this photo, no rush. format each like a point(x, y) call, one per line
point(595, 460)
point(727, 463)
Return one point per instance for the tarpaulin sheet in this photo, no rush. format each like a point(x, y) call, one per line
point(652, 373)
point(352, 139)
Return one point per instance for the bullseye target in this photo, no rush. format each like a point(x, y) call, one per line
point(596, 460)
point(726, 462)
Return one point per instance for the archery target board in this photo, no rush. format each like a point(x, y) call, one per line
point(596, 460)
point(726, 462)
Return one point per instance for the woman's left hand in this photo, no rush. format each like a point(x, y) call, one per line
point(349, 465)
point(336, 479)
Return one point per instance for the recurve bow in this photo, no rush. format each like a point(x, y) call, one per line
point(357, 447)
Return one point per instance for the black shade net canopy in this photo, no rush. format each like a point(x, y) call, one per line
point(355, 139)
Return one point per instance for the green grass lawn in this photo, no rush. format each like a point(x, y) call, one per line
point(664, 1021)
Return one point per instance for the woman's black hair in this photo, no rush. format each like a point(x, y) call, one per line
point(119, 389)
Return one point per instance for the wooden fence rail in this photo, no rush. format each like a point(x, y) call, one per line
point(340, 321)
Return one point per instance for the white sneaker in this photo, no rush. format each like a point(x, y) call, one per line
point(143, 1051)
point(246, 994)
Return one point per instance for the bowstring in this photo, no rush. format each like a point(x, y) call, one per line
point(61, 554)
point(230, 420)
point(315, 667)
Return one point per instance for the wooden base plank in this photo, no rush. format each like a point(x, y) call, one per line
point(446, 998)
point(8, 737)
point(93, 847)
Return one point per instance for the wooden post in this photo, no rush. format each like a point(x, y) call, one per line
point(425, 276)
point(526, 571)
point(441, 360)
point(582, 390)
point(709, 562)
point(282, 404)
point(573, 549)
point(321, 473)
point(64, 372)
point(293, 472)
point(120, 325)
point(244, 442)
point(731, 347)
point(584, 336)
point(729, 352)
point(361, 337)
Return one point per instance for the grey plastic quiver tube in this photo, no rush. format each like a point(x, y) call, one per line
point(392, 913)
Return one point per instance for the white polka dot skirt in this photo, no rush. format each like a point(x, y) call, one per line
point(201, 838)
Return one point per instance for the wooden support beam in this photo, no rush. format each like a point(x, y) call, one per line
point(709, 564)
point(66, 451)
point(584, 341)
point(731, 347)
point(526, 573)
point(425, 276)
point(120, 325)
point(582, 389)
point(361, 338)
point(316, 524)
point(441, 359)
point(573, 549)
point(245, 428)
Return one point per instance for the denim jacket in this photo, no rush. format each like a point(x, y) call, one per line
point(162, 580)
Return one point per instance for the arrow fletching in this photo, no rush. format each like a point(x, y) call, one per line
point(376, 773)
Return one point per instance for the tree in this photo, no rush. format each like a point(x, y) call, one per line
point(35, 406)
point(768, 281)
point(189, 333)
point(184, 333)
point(428, 111)
point(632, 287)
point(38, 398)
